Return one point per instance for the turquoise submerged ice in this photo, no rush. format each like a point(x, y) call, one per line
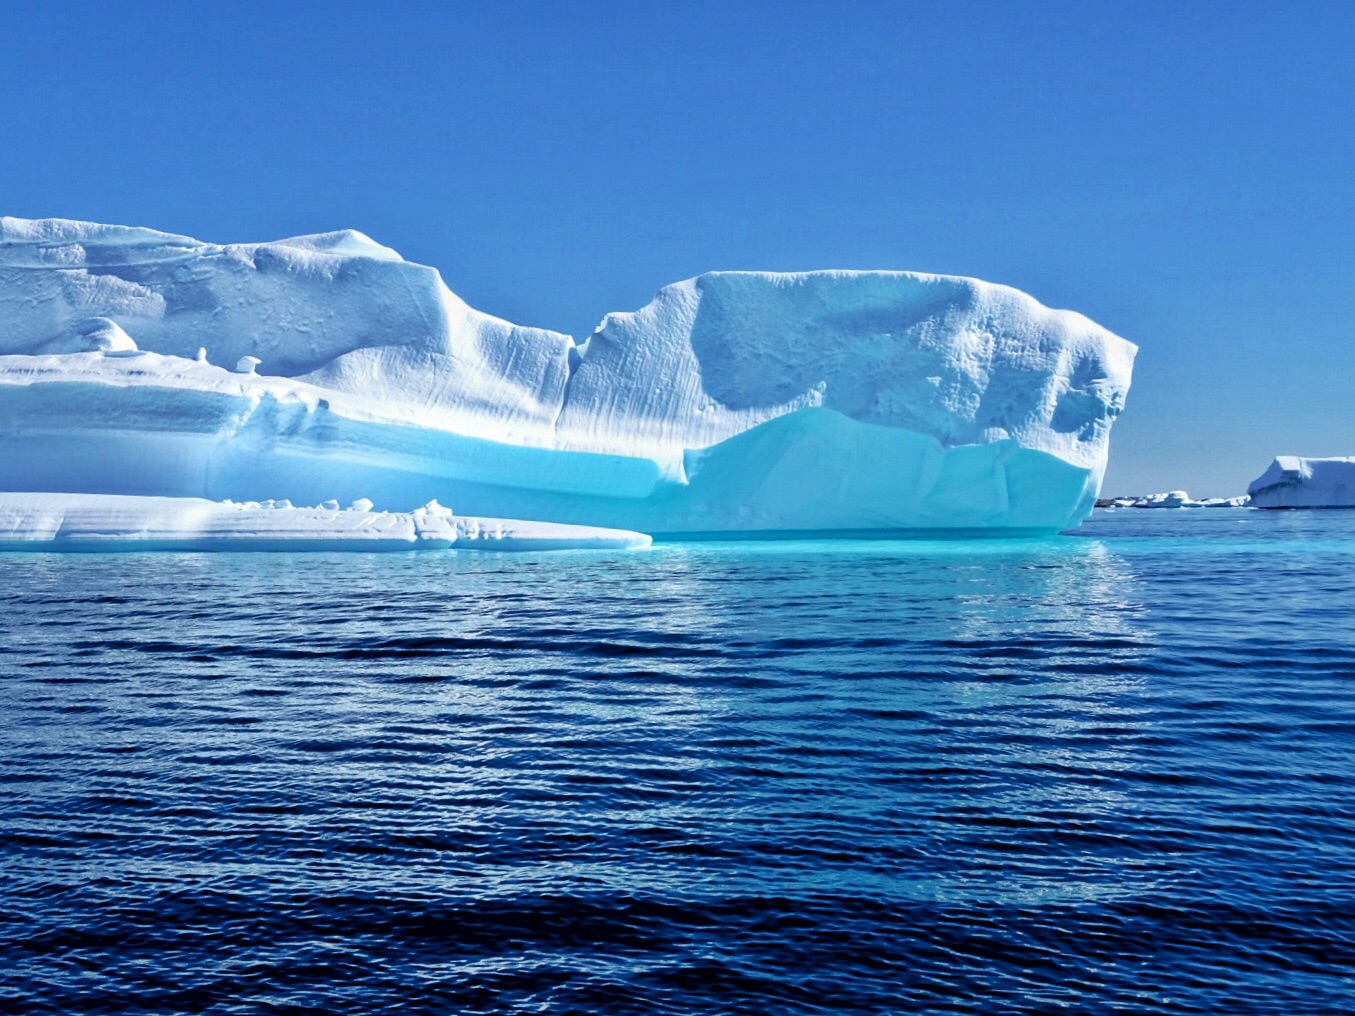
point(140, 362)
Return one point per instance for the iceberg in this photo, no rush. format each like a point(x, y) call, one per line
point(1173, 499)
point(106, 522)
point(1170, 499)
point(140, 363)
point(1295, 482)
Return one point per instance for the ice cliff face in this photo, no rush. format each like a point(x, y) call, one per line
point(733, 401)
point(1294, 482)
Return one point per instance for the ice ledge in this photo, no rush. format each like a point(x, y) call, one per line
point(115, 522)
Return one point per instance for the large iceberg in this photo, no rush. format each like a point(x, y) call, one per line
point(1295, 482)
point(136, 362)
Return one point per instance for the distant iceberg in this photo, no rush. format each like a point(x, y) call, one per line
point(1173, 499)
point(136, 362)
point(1294, 482)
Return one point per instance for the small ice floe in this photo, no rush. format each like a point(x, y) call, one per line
point(330, 506)
point(362, 504)
point(247, 365)
point(106, 522)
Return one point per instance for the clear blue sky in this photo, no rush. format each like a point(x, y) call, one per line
point(1182, 173)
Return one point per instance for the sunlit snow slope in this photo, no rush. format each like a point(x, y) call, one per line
point(140, 362)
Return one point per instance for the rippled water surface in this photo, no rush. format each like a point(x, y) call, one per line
point(1106, 773)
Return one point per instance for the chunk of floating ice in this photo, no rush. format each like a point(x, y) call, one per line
point(106, 522)
point(247, 364)
point(330, 506)
point(362, 504)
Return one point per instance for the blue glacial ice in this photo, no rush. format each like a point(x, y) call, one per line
point(135, 362)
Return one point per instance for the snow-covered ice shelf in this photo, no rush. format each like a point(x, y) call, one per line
point(108, 522)
point(144, 363)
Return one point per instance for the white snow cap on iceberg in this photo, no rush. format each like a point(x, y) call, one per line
point(1295, 482)
point(828, 400)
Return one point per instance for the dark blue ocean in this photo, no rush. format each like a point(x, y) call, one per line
point(1112, 772)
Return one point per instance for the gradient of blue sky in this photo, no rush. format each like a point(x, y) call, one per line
point(1181, 173)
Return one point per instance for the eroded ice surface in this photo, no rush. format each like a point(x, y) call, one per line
point(92, 522)
point(1295, 482)
point(140, 362)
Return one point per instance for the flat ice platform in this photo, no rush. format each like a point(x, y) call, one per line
point(115, 522)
